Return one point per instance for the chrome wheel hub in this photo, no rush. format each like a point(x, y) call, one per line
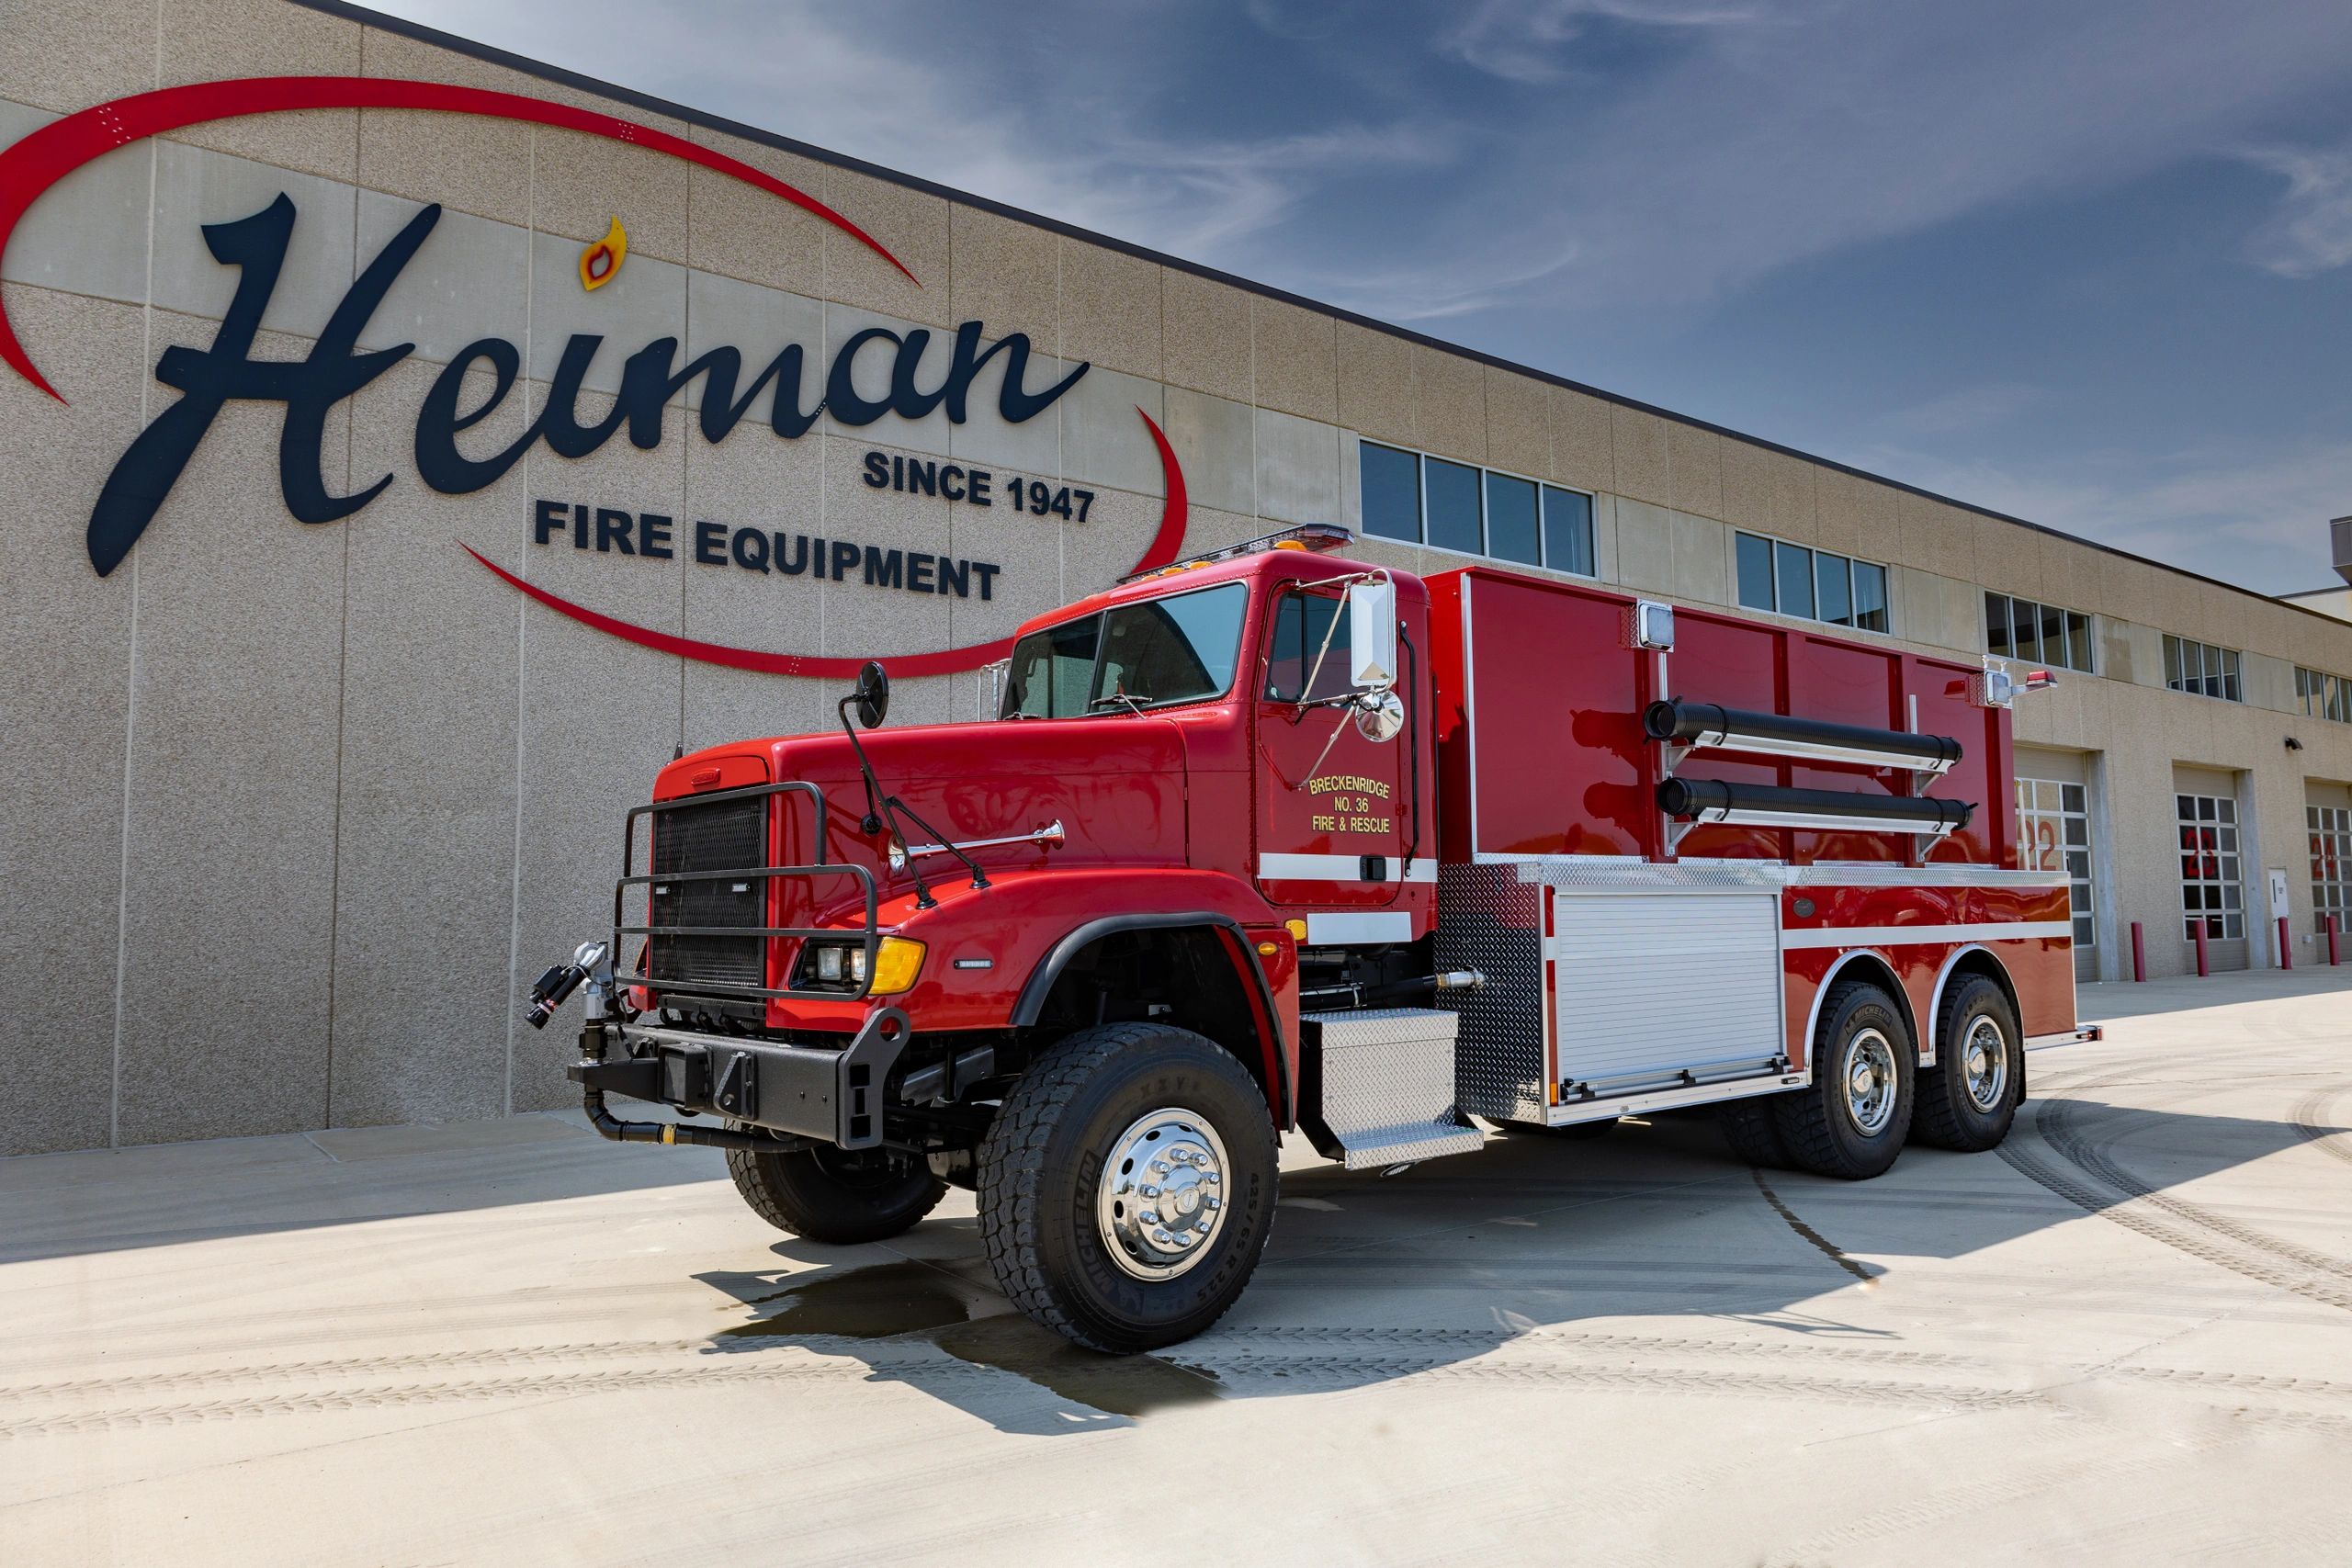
point(1161, 1198)
point(1985, 1062)
point(1871, 1082)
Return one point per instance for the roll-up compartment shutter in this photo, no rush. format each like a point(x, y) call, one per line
point(1653, 984)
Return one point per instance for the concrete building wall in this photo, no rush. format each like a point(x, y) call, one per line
point(292, 811)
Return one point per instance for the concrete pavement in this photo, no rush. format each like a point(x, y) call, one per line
point(2126, 1336)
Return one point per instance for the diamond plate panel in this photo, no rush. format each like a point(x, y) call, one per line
point(1385, 1067)
point(1489, 919)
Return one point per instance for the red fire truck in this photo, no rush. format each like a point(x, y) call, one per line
point(1275, 838)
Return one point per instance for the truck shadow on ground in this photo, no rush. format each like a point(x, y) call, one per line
point(1368, 1280)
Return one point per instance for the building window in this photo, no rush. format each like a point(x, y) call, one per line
point(1789, 579)
point(2202, 669)
point(2210, 887)
point(1511, 533)
point(1449, 500)
point(2038, 634)
point(1392, 493)
point(2323, 695)
point(1568, 531)
point(2331, 865)
point(1474, 511)
point(2053, 817)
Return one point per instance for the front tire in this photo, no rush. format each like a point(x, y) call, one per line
point(1128, 1186)
point(839, 1196)
point(1970, 1097)
point(1851, 1122)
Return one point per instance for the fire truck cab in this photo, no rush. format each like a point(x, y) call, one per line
point(1277, 839)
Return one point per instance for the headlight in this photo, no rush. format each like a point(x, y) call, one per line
point(897, 960)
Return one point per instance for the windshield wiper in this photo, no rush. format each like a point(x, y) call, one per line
point(1102, 703)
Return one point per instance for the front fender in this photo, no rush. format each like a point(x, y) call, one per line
point(983, 946)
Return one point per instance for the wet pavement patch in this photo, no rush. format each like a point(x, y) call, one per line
point(1121, 1385)
point(975, 1324)
point(879, 1303)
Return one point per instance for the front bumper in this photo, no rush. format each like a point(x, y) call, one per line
point(809, 1091)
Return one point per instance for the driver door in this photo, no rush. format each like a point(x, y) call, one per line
point(1330, 832)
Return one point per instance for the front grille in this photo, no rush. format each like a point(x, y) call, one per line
point(725, 835)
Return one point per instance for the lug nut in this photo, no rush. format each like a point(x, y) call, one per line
point(1150, 1217)
point(1211, 1203)
point(1149, 1192)
point(1159, 1168)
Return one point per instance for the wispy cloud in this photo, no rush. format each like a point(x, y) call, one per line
point(2312, 230)
point(854, 81)
point(2244, 512)
point(1529, 40)
point(1970, 409)
point(1534, 175)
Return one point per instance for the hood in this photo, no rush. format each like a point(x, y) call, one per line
point(1116, 785)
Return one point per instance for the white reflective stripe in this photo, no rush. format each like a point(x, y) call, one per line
point(1899, 936)
point(1339, 868)
point(1322, 930)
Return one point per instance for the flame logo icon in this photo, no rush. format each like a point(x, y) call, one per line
point(601, 261)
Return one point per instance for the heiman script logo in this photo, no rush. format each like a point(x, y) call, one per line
point(308, 389)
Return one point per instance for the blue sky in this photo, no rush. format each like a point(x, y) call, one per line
point(2088, 263)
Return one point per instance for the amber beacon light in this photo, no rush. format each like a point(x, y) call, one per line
point(602, 261)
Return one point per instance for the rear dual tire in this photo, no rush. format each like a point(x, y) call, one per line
point(1851, 1120)
point(1968, 1100)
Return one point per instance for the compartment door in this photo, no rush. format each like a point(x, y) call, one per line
point(1650, 987)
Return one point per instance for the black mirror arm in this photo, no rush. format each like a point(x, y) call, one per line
point(878, 804)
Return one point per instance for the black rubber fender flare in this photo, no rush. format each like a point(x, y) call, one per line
point(1229, 932)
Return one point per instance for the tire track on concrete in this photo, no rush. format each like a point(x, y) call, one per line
point(2109, 1206)
point(1367, 1344)
point(2064, 1141)
point(1531, 1361)
point(2060, 1124)
point(2310, 1119)
point(1274, 1373)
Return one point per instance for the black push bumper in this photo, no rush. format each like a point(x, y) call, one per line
point(808, 1092)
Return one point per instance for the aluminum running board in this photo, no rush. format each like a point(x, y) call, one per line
point(1377, 1087)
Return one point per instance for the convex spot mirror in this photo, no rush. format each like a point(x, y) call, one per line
point(1371, 634)
point(1380, 716)
point(872, 698)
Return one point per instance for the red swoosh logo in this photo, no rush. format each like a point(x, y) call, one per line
point(948, 661)
point(56, 149)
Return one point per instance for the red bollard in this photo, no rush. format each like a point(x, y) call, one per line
point(2203, 968)
point(2139, 954)
point(2286, 945)
point(2331, 941)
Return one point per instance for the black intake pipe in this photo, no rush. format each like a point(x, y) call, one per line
point(1689, 799)
point(1677, 720)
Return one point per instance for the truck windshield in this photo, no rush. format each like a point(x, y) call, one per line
point(1181, 649)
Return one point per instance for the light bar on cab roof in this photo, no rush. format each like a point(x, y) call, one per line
point(1320, 537)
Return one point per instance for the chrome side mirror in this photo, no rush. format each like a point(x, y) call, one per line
point(1371, 634)
point(1380, 716)
point(872, 698)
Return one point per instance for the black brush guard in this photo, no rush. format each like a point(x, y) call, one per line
point(783, 1091)
point(869, 935)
